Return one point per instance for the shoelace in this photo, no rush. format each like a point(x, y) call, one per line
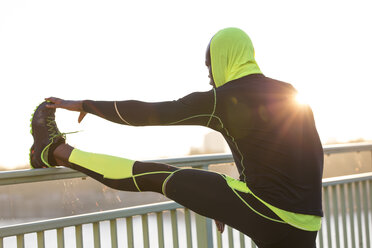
point(52, 127)
point(53, 130)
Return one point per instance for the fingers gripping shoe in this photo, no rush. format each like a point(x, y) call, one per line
point(46, 137)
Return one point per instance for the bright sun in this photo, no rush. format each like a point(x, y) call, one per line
point(302, 98)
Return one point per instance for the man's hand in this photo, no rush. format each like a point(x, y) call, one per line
point(68, 105)
point(220, 226)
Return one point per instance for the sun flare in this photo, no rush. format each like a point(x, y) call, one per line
point(302, 98)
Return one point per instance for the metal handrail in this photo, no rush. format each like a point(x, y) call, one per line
point(347, 179)
point(346, 196)
point(50, 224)
point(46, 174)
point(37, 175)
point(350, 147)
point(89, 218)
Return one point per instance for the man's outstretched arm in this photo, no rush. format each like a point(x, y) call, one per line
point(194, 109)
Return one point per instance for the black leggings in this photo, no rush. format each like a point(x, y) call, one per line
point(207, 193)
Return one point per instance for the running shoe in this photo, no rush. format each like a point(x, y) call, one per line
point(46, 137)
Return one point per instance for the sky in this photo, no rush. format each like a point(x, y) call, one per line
point(155, 51)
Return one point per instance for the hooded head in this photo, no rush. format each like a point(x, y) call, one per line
point(231, 56)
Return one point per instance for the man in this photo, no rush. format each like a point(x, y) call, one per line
point(273, 139)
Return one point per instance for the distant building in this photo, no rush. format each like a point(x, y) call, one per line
point(213, 143)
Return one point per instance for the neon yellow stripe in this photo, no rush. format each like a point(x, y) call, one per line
point(152, 172)
point(106, 165)
point(301, 221)
point(117, 111)
point(44, 154)
point(166, 181)
point(148, 173)
point(262, 215)
point(188, 118)
point(305, 222)
point(233, 140)
point(135, 183)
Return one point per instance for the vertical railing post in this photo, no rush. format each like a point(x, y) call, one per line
point(174, 228)
point(159, 220)
point(204, 231)
point(359, 214)
point(351, 211)
point(335, 213)
point(114, 235)
point(40, 240)
point(79, 236)
point(60, 238)
point(96, 235)
point(188, 228)
point(129, 222)
point(20, 241)
point(344, 214)
point(204, 226)
point(365, 207)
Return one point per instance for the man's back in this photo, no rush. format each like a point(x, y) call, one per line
point(273, 140)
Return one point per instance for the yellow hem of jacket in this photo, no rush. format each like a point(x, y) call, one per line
point(304, 222)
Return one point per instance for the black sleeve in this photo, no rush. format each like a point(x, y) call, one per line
point(194, 109)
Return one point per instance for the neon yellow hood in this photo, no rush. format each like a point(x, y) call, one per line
point(232, 56)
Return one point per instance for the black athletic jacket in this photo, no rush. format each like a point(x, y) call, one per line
point(273, 139)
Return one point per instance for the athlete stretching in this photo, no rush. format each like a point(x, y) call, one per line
point(273, 139)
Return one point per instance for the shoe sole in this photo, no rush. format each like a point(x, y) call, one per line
point(45, 148)
point(32, 117)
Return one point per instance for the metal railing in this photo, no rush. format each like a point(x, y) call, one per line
point(347, 203)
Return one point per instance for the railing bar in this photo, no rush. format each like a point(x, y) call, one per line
point(320, 233)
point(347, 179)
point(242, 240)
point(188, 228)
point(343, 215)
point(359, 214)
point(114, 233)
point(145, 231)
point(96, 235)
point(328, 216)
point(40, 240)
point(62, 173)
point(159, 219)
point(230, 237)
point(174, 228)
point(321, 242)
point(219, 239)
point(37, 175)
point(79, 236)
point(129, 221)
point(366, 213)
point(85, 218)
point(351, 213)
point(370, 193)
point(335, 214)
point(342, 148)
point(20, 241)
point(60, 238)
